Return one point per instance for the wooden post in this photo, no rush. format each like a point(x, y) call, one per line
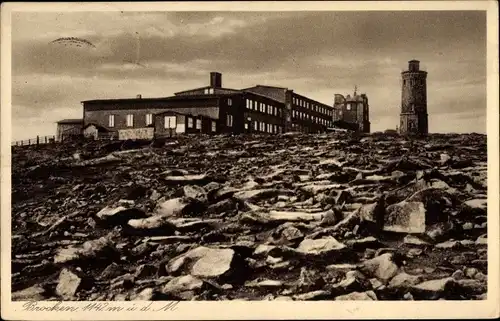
point(45, 139)
point(37, 140)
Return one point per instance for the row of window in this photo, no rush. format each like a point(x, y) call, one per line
point(170, 122)
point(304, 116)
point(265, 127)
point(263, 108)
point(314, 107)
point(130, 120)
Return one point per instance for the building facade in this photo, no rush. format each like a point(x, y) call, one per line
point(352, 112)
point(212, 110)
point(67, 128)
point(414, 117)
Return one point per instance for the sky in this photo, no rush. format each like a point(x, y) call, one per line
point(317, 54)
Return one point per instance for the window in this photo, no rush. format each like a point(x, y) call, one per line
point(230, 120)
point(255, 125)
point(348, 106)
point(198, 124)
point(111, 121)
point(210, 90)
point(246, 126)
point(275, 129)
point(130, 120)
point(170, 122)
point(254, 105)
point(269, 109)
point(229, 102)
point(262, 127)
point(214, 126)
point(206, 91)
point(149, 119)
point(190, 122)
point(249, 104)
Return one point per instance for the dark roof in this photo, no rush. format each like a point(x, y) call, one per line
point(205, 87)
point(275, 87)
point(170, 98)
point(70, 121)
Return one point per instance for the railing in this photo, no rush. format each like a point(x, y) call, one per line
point(35, 141)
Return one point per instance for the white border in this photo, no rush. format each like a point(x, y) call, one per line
point(272, 309)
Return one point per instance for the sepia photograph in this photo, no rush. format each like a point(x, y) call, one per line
point(248, 154)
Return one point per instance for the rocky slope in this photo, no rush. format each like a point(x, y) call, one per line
point(289, 217)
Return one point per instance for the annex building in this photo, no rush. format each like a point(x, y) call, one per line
point(212, 109)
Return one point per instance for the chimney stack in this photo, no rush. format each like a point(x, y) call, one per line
point(139, 96)
point(215, 80)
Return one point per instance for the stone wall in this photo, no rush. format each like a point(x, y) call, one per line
point(136, 133)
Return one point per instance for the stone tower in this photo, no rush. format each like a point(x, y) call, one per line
point(414, 100)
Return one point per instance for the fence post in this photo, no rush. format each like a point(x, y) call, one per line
point(37, 140)
point(45, 139)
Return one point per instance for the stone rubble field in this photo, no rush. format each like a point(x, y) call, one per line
point(286, 217)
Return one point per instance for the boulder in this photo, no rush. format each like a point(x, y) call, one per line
point(177, 206)
point(33, 293)
point(405, 217)
point(364, 243)
point(153, 225)
point(182, 284)
point(68, 284)
point(382, 267)
point(404, 280)
point(102, 247)
point(203, 262)
point(195, 192)
point(118, 215)
point(320, 246)
point(358, 296)
point(433, 289)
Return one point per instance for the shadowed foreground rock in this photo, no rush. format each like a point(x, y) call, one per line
point(286, 217)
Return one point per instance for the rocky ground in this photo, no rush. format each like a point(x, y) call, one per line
point(289, 217)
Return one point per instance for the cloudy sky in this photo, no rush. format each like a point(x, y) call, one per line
point(316, 54)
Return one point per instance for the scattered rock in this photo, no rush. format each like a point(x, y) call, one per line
point(68, 284)
point(382, 267)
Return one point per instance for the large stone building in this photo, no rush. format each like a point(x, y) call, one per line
point(414, 118)
point(209, 109)
point(352, 112)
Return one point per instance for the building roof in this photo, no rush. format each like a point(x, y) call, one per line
point(70, 121)
point(274, 87)
point(170, 98)
point(205, 87)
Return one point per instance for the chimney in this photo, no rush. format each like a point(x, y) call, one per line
point(215, 80)
point(139, 96)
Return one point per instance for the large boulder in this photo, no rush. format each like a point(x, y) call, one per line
point(118, 215)
point(382, 267)
point(101, 248)
point(68, 285)
point(153, 225)
point(179, 206)
point(405, 217)
point(328, 245)
point(203, 262)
